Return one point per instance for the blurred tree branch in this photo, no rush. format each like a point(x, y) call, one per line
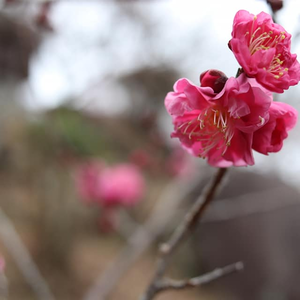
point(24, 261)
point(188, 224)
point(171, 284)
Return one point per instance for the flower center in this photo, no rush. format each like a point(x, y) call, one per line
point(265, 41)
point(213, 128)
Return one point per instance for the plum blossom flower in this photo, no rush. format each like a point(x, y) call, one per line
point(109, 188)
point(122, 184)
point(118, 185)
point(87, 181)
point(263, 49)
point(218, 126)
point(270, 137)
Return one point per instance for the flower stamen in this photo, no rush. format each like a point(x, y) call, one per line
point(212, 127)
point(265, 41)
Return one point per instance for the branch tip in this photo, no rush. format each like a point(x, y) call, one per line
point(239, 266)
point(164, 248)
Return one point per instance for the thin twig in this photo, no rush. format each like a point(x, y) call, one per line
point(262, 202)
point(193, 216)
point(20, 254)
point(188, 224)
point(171, 284)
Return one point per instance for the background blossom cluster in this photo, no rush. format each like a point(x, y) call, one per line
point(110, 186)
point(225, 119)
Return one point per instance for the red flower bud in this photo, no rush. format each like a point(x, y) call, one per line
point(214, 79)
point(275, 5)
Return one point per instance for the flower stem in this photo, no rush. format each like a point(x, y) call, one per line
point(239, 72)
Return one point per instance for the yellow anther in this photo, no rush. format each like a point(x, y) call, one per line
point(261, 120)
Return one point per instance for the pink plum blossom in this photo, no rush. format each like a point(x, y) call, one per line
point(263, 49)
point(87, 181)
point(122, 184)
point(107, 186)
point(270, 137)
point(219, 126)
point(141, 158)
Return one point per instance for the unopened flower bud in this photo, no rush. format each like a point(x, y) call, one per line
point(214, 79)
point(275, 5)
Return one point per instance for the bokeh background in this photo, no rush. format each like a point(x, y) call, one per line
point(85, 81)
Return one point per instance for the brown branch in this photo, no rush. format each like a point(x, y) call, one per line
point(188, 224)
point(171, 284)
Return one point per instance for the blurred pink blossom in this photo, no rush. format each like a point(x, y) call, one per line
point(42, 19)
point(262, 48)
point(141, 158)
point(118, 185)
point(88, 178)
point(121, 184)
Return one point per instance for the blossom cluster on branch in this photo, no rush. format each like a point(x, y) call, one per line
point(225, 119)
point(110, 188)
